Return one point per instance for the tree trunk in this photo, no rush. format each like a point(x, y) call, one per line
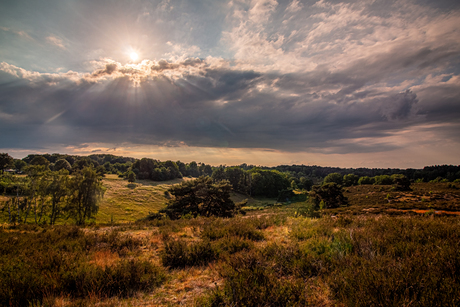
point(9, 209)
point(17, 199)
point(35, 211)
point(27, 212)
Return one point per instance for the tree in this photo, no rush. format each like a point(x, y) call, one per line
point(5, 161)
point(19, 164)
point(82, 163)
point(366, 180)
point(305, 183)
point(201, 197)
point(219, 174)
point(401, 182)
point(57, 189)
point(383, 180)
point(350, 179)
point(328, 195)
point(131, 176)
point(40, 160)
point(333, 177)
point(62, 164)
point(85, 191)
point(192, 169)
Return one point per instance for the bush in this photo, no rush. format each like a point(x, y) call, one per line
point(250, 280)
point(179, 254)
point(401, 183)
point(54, 262)
point(219, 228)
point(328, 195)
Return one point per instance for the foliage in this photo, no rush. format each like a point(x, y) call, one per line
point(329, 195)
point(366, 180)
point(334, 177)
point(62, 164)
point(383, 180)
point(131, 176)
point(85, 191)
point(40, 160)
point(350, 180)
point(201, 197)
point(52, 262)
point(285, 195)
point(5, 161)
point(179, 254)
point(401, 183)
point(268, 183)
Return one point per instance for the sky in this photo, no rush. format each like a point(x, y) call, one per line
point(263, 82)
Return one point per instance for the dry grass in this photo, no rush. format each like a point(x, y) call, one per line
point(375, 199)
point(125, 204)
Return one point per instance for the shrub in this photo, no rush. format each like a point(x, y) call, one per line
point(55, 262)
point(329, 195)
point(179, 253)
point(250, 280)
point(219, 228)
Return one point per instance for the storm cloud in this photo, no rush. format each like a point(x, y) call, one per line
point(319, 77)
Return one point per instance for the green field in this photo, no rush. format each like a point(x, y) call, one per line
point(124, 202)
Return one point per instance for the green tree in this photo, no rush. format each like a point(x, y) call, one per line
point(40, 160)
point(334, 177)
point(201, 197)
point(57, 189)
point(305, 183)
point(401, 182)
point(219, 174)
point(85, 191)
point(383, 180)
point(328, 195)
point(5, 161)
point(131, 176)
point(82, 163)
point(192, 169)
point(350, 180)
point(365, 180)
point(62, 164)
point(19, 164)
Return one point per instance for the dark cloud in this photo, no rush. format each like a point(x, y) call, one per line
point(165, 65)
point(317, 76)
point(220, 108)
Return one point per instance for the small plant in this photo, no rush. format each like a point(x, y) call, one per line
point(178, 253)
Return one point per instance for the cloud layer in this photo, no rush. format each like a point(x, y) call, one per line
point(322, 77)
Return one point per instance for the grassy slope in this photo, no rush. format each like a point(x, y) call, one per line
point(127, 204)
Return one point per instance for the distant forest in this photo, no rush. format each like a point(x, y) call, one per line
point(247, 179)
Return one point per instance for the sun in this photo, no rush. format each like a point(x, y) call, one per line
point(133, 55)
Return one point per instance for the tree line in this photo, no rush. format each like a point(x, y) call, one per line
point(46, 196)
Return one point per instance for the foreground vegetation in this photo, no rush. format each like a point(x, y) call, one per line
point(351, 241)
point(269, 257)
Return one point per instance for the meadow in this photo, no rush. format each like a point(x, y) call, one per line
point(387, 248)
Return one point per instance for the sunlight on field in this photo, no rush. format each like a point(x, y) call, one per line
point(124, 202)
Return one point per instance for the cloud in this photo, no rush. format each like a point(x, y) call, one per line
point(212, 106)
point(19, 33)
point(56, 41)
point(323, 77)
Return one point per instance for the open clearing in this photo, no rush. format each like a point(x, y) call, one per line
point(124, 202)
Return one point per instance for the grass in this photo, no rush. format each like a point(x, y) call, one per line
point(374, 199)
point(269, 257)
point(125, 204)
